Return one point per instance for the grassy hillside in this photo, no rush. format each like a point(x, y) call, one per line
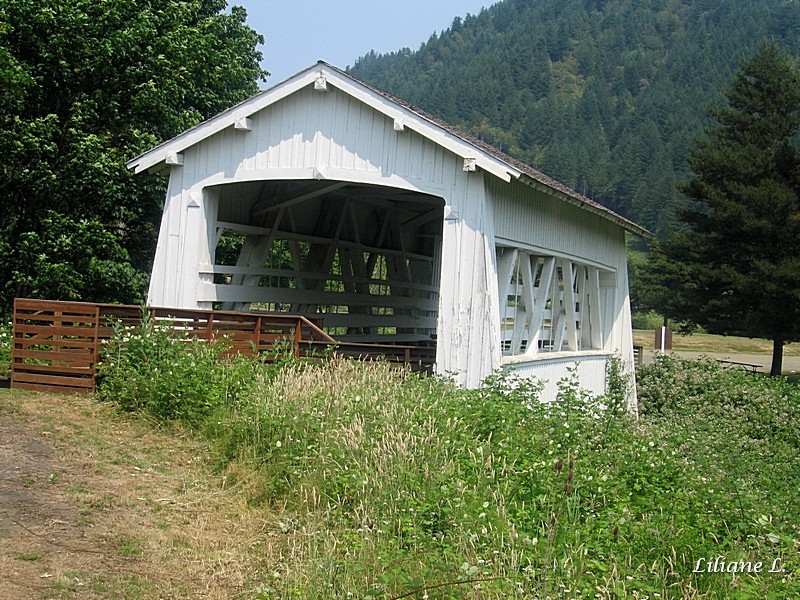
point(707, 342)
point(340, 480)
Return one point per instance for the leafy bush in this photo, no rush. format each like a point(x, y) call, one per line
point(168, 374)
point(5, 348)
point(738, 436)
point(754, 407)
point(646, 320)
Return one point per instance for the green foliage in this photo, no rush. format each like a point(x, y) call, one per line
point(646, 320)
point(736, 269)
point(5, 348)
point(652, 298)
point(87, 85)
point(738, 438)
point(603, 96)
point(662, 285)
point(168, 375)
point(387, 485)
point(75, 260)
point(228, 247)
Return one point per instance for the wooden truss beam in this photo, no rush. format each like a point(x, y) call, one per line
point(308, 193)
point(551, 302)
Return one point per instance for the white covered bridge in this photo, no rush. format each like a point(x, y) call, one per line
point(325, 197)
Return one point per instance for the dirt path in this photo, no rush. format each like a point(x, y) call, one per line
point(96, 505)
point(43, 537)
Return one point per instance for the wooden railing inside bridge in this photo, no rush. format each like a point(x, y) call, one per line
point(57, 345)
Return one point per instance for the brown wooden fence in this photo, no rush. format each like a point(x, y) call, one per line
point(56, 345)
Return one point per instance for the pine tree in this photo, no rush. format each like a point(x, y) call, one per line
point(741, 250)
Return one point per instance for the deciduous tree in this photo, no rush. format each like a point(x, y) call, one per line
point(84, 86)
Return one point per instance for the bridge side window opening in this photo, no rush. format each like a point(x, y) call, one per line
point(548, 304)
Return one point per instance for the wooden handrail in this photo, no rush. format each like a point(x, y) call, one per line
point(57, 344)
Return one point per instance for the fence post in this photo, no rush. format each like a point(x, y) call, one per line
point(96, 348)
point(257, 337)
point(209, 327)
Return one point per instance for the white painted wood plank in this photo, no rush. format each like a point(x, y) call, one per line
point(244, 293)
point(595, 314)
point(334, 242)
point(527, 263)
point(267, 206)
point(581, 299)
point(570, 316)
point(401, 321)
point(546, 283)
point(304, 274)
point(506, 261)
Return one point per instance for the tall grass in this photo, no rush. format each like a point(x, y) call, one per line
point(393, 485)
point(386, 493)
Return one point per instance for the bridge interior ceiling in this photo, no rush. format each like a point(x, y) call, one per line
point(365, 258)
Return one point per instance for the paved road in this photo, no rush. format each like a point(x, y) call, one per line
point(791, 364)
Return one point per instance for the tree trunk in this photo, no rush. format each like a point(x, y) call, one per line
point(777, 357)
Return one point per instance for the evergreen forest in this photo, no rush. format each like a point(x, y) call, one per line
point(606, 96)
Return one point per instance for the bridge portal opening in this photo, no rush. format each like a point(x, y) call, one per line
point(363, 260)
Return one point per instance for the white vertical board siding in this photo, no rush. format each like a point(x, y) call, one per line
point(207, 241)
point(321, 135)
point(183, 242)
point(468, 335)
point(621, 341)
point(163, 279)
point(529, 218)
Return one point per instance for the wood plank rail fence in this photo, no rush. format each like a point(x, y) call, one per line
point(57, 345)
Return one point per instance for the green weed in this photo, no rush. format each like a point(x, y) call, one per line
point(129, 547)
point(5, 348)
point(170, 375)
point(392, 485)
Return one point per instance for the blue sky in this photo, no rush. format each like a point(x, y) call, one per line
point(298, 33)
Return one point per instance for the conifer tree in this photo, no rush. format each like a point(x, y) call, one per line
point(740, 253)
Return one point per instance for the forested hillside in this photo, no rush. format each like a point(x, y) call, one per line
point(604, 95)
